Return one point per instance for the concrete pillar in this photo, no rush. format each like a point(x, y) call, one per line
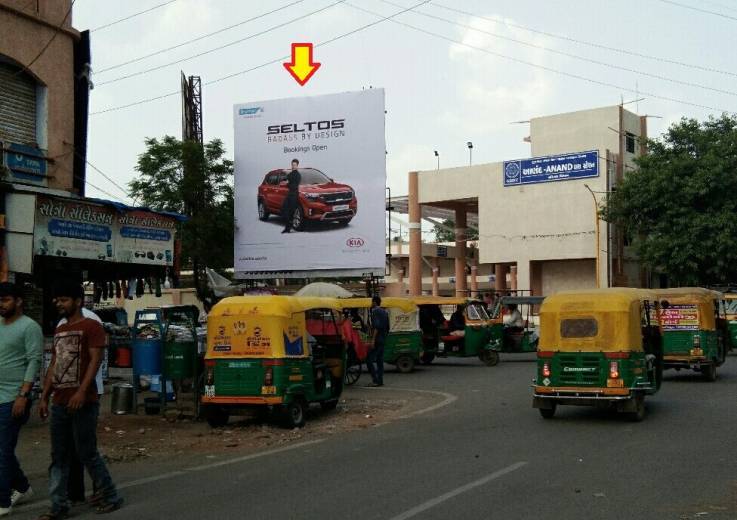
point(513, 278)
point(460, 259)
point(435, 276)
point(415, 235)
point(474, 281)
point(500, 278)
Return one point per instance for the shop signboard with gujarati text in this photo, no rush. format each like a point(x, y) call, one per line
point(71, 229)
point(552, 168)
point(145, 238)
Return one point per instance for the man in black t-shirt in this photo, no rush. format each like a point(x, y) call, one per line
point(292, 201)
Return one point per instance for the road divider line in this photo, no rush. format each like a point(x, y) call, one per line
point(458, 491)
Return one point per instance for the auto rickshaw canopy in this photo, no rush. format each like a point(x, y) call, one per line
point(597, 320)
point(262, 326)
point(705, 301)
point(390, 302)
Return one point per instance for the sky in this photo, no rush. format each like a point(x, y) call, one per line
point(461, 77)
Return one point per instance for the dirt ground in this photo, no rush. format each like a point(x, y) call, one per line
point(136, 438)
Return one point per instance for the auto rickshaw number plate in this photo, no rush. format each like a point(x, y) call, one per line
point(268, 390)
point(209, 390)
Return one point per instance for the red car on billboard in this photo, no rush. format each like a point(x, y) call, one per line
point(321, 199)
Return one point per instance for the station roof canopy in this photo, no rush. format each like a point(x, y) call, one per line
point(438, 211)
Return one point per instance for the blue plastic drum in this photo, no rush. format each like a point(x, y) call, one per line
point(147, 356)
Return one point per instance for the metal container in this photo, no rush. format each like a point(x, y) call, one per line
point(122, 401)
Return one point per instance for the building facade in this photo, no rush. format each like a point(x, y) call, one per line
point(544, 235)
point(44, 71)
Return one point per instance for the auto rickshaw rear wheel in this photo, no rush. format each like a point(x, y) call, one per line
point(709, 372)
point(427, 358)
point(352, 374)
point(548, 413)
point(489, 357)
point(295, 413)
point(216, 416)
point(405, 364)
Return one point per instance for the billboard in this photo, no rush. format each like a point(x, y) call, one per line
point(324, 214)
point(551, 168)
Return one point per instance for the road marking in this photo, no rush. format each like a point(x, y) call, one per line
point(178, 473)
point(450, 494)
point(448, 399)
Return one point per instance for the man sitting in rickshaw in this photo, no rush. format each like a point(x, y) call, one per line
point(514, 325)
point(457, 324)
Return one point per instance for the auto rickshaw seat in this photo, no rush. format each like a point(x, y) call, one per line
point(451, 338)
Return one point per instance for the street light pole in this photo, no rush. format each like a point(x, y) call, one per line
point(596, 246)
point(437, 155)
point(470, 152)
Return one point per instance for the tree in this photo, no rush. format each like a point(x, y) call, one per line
point(205, 194)
point(679, 204)
point(445, 231)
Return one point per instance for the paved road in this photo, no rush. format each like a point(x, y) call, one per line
point(486, 455)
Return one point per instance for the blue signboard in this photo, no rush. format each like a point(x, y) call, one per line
point(552, 168)
point(26, 163)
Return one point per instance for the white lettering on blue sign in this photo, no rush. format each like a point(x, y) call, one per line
point(551, 168)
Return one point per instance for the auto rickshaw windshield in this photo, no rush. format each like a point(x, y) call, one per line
point(475, 311)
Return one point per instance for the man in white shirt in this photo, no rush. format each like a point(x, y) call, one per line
point(514, 320)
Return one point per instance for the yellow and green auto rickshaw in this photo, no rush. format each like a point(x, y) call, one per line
point(598, 348)
point(467, 335)
point(695, 330)
point(403, 346)
point(272, 353)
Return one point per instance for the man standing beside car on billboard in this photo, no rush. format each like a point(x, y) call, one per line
point(292, 200)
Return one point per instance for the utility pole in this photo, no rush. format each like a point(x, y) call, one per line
point(596, 247)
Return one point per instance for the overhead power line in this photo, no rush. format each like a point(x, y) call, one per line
point(48, 43)
point(700, 10)
point(280, 59)
point(131, 16)
point(589, 44)
point(199, 38)
point(544, 67)
point(221, 47)
point(571, 55)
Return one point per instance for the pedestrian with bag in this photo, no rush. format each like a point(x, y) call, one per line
point(77, 355)
point(21, 348)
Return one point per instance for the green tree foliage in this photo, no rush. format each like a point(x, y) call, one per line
point(205, 194)
point(445, 231)
point(680, 204)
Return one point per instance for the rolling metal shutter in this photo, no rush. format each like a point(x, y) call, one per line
point(17, 106)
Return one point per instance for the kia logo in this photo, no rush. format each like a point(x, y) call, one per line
point(354, 242)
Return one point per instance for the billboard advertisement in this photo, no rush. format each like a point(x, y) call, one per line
point(551, 168)
point(310, 177)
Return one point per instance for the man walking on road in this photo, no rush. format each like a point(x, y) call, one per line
point(380, 326)
point(292, 201)
point(78, 351)
point(21, 347)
